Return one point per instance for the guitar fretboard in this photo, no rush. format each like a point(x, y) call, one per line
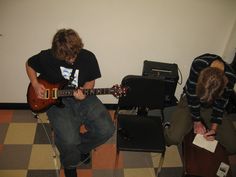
point(97, 91)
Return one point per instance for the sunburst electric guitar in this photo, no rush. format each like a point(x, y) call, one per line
point(54, 93)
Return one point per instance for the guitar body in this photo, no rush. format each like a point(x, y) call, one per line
point(38, 105)
point(54, 92)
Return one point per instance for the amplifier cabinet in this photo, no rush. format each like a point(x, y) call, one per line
point(166, 71)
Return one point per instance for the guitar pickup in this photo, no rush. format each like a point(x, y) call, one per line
point(46, 94)
point(54, 93)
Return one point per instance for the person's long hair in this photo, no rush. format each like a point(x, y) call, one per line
point(211, 84)
point(66, 44)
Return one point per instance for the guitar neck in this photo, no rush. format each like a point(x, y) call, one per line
point(97, 91)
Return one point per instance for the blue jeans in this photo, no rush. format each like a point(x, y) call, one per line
point(66, 122)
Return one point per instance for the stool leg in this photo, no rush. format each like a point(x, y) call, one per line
point(54, 149)
point(52, 143)
point(160, 164)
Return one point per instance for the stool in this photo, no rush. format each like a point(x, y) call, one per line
point(199, 162)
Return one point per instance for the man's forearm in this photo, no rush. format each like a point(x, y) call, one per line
point(32, 74)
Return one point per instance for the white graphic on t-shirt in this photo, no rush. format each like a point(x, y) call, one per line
point(66, 72)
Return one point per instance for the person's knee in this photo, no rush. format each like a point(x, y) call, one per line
point(105, 127)
point(172, 139)
point(107, 132)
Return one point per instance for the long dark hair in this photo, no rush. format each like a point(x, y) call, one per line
point(66, 43)
point(211, 84)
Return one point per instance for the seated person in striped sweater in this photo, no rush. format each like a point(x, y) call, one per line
point(202, 104)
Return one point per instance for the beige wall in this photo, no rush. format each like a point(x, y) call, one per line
point(230, 47)
point(122, 34)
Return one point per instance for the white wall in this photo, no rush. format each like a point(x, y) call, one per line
point(230, 47)
point(122, 34)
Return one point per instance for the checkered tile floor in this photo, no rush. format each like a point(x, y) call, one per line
point(25, 151)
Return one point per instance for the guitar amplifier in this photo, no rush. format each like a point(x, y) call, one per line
point(166, 71)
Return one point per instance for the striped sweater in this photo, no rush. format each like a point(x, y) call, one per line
point(218, 106)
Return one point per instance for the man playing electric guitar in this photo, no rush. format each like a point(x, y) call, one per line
point(67, 59)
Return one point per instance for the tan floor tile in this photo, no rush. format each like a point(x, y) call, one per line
point(137, 159)
point(13, 173)
point(42, 158)
point(43, 118)
point(139, 172)
point(155, 159)
point(171, 159)
point(20, 133)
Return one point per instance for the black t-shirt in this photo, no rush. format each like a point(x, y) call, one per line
point(55, 71)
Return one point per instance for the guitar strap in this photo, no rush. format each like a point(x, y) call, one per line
point(71, 78)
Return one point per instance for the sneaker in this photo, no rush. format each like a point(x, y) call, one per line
point(166, 124)
point(85, 158)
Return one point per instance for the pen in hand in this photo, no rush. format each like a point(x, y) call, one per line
point(214, 134)
point(210, 135)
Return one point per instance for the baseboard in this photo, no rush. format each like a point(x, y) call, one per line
point(26, 106)
point(14, 106)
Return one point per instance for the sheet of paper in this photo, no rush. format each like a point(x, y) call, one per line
point(200, 141)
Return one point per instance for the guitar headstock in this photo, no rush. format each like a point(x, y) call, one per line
point(119, 91)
